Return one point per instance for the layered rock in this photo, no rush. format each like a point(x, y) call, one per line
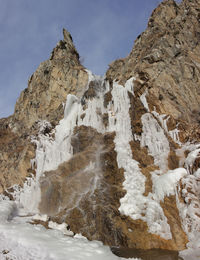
point(110, 168)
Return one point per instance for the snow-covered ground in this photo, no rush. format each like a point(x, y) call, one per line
point(20, 240)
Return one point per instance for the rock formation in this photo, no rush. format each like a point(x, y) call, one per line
point(43, 99)
point(120, 161)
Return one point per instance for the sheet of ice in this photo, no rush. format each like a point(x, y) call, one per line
point(154, 138)
point(129, 85)
point(51, 152)
point(193, 250)
point(192, 156)
point(119, 121)
point(197, 173)
point(93, 113)
point(165, 184)
point(144, 100)
point(134, 203)
point(163, 119)
point(190, 209)
point(174, 134)
point(180, 152)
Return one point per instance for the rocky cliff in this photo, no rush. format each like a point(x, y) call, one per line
point(119, 161)
point(43, 99)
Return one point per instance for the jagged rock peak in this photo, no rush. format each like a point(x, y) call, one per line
point(48, 87)
point(67, 37)
point(164, 13)
point(65, 49)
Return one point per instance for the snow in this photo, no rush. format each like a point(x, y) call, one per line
point(23, 241)
point(40, 217)
point(191, 253)
point(35, 242)
point(7, 210)
point(62, 227)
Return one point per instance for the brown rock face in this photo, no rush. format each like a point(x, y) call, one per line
point(49, 85)
point(87, 188)
point(15, 157)
point(43, 99)
point(86, 191)
point(165, 60)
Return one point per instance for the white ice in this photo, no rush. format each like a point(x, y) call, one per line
point(153, 136)
point(23, 241)
point(35, 242)
point(62, 227)
point(165, 184)
point(144, 100)
point(134, 203)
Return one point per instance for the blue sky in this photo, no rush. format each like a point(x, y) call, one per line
point(102, 30)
